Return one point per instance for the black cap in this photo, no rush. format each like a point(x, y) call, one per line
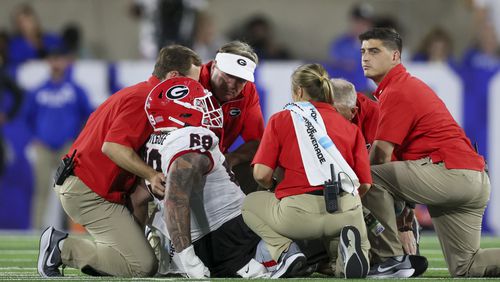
point(363, 11)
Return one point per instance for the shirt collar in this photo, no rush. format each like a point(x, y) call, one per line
point(322, 105)
point(205, 75)
point(153, 80)
point(395, 71)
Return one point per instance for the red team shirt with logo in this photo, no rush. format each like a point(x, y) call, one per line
point(120, 119)
point(367, 117)
point(414, 119)
point(279, 147)
point(242, 116)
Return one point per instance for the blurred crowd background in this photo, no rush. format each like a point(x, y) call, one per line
point(38, 125)
point(279, 29)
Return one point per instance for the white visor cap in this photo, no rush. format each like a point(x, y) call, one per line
point(236, 65)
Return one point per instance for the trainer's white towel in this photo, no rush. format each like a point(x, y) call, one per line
point(317, 149)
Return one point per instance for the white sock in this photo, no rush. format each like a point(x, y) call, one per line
point(60, 245)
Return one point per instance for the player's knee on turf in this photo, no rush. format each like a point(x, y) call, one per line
point(147, 268)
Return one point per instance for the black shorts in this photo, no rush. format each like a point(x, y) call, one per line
point(227, 249)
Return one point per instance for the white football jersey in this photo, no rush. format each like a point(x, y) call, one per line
point(220, 200)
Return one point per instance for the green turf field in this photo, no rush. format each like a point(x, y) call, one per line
point(19, 252)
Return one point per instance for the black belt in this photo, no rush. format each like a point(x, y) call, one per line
point(320, 192)
point(315, 192)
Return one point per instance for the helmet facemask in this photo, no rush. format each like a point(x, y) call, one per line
point(212, 113)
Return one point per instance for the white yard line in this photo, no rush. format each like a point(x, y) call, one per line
point(17, 259)
point(16, 252)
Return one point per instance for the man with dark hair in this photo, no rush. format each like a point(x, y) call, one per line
point(437, 166)
point(95, 183)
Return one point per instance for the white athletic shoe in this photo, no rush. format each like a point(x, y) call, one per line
point(392, 268)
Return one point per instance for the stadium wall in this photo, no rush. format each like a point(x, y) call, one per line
point(110, 33)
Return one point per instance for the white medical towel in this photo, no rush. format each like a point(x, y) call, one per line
point(318, 150)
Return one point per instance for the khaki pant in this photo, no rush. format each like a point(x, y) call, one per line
point(119, 248)
point(47, 161)
point(456, 200)
point(302, 217)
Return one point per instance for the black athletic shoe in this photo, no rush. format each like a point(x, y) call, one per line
point(290, 263)
point(393, 268)
point(49, 256)
point(355, 262)
point(308, 270)
point(419, 263)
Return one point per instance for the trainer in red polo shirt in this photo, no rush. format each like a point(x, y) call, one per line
point(242, 115)
point(414, 119)
point(437, 167)
point(279, 147)
point(120, 119)
point(230, 78)
point(97, 192)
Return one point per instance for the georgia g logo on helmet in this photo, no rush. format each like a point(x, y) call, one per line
point(177, 92)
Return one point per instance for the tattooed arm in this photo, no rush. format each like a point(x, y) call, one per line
point(185, 176)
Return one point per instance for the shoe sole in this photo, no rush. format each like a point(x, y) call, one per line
point(356, 265)
point(293, 266)
point(45, 242)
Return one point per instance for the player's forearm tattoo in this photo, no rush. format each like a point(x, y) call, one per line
point(186, 174)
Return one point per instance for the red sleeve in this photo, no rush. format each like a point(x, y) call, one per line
point(269, 148)
point(396, 118)
point(361, 160)
point(368, 119)
point(130, 126)
point(253, 124)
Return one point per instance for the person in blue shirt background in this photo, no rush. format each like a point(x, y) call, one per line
point(55, 112)
point(30, 41)
point(344, 51)
point(11, 96)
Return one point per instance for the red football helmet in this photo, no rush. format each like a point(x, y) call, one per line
point(180, 102)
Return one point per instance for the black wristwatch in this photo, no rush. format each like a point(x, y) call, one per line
point(405, 229)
